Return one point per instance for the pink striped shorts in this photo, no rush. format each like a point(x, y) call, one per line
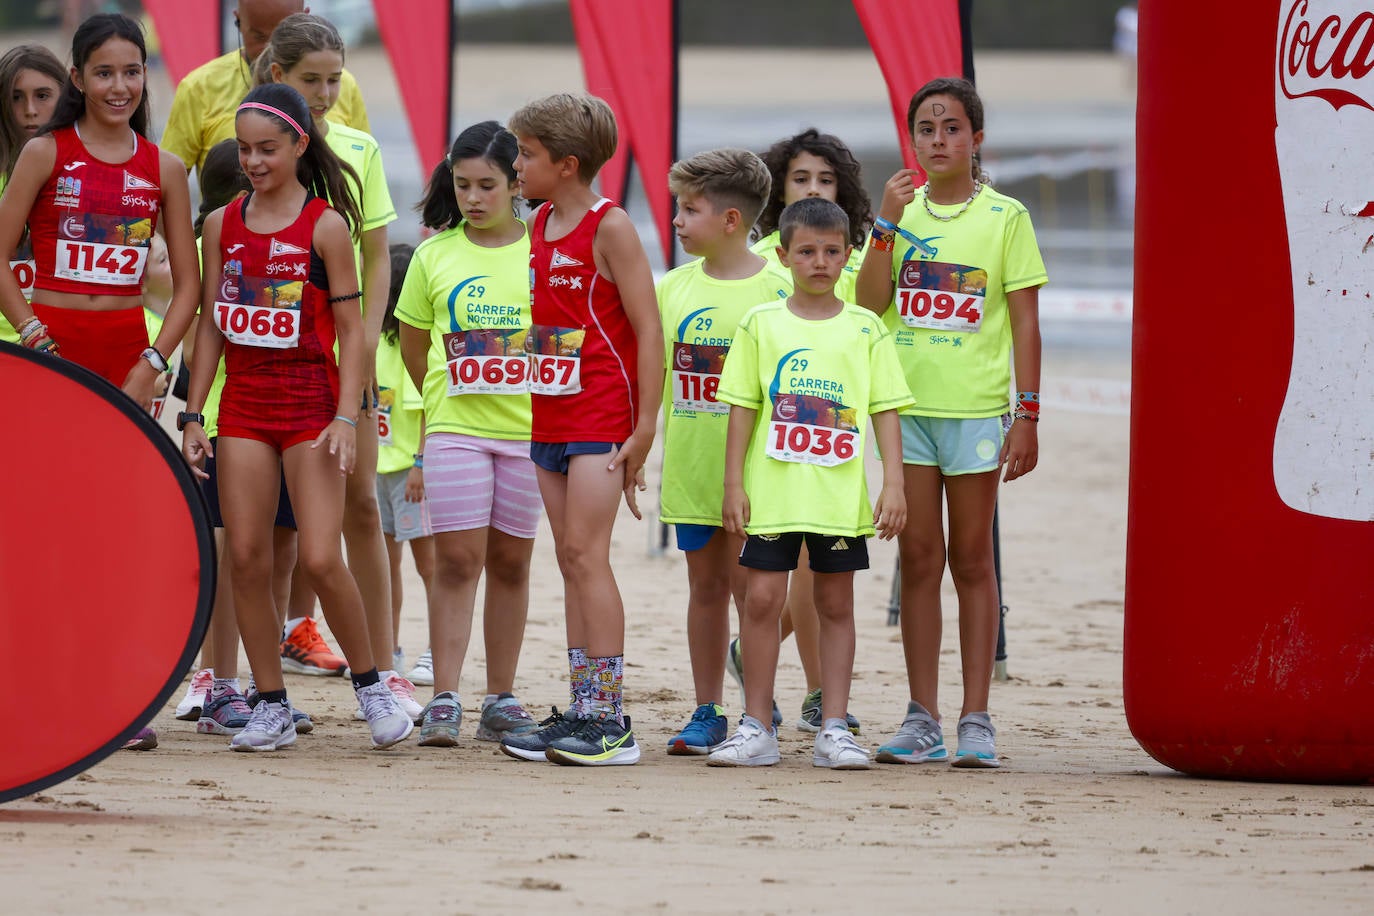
point(471, 482)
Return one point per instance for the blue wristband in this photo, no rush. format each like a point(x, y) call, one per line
point(884, 224)
point(352, 423)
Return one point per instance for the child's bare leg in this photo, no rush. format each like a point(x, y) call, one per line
point(422, 553)
point(767, 590)
point(318, 500)
point(221, 650)
point(834, 594)
point(799, 616)
point(283, 571)
point(458, 566)
point(972, 502)
point(710, 575)
point(553, 490)
point(921, 546)
point(591, 500)
point(393, 556)
point(505, 606)
point(248, 503)
point(362, 532)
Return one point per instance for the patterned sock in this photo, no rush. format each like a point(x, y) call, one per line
point(607, 680)
point(224, 685)
point(579, 684)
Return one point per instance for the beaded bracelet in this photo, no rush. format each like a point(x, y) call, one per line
point(352, 423)
point(883, 241)
point(346, 297)
point(1026, 415)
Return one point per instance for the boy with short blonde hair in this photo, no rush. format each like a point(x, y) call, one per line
point(596, 376)
point(720, 194)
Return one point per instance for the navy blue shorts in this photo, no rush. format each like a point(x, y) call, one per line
point(553, 456)
point(285, 517)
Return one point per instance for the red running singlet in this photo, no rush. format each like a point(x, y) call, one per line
point(93, 221)
point(584, 375)
point(273, 309)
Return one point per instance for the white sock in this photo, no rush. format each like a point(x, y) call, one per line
point(383, 675)
point(488, 700)
point(291, 625)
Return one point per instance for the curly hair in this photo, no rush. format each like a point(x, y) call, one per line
point(849, 191)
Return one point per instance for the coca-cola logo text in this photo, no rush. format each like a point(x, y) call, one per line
point(1327, 57)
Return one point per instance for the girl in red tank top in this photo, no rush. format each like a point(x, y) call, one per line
point(280, 283)
point(92, 190)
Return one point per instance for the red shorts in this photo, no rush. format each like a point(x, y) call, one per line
point(279, 439)
point(107, 343)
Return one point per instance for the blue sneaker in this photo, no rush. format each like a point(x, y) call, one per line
point(226, 714)
point(706, 731)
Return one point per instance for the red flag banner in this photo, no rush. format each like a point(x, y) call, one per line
point(914, 41)
point(188, 32)
point(629, 55)
point(418, 36)
point(614, 177)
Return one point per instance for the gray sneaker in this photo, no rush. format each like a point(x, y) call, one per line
point(919, 739)
point(977, 742)
point(504, 716)
point(441, 721)
point(269, 728)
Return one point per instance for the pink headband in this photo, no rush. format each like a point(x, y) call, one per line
point(276, 111)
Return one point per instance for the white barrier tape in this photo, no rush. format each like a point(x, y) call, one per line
point(1087, 395)
point(1086, 304)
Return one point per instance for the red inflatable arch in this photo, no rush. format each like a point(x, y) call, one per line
point(106, 567)
point(1249, 644)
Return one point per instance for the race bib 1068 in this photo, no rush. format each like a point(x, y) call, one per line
point(555, 359)
point(487, 361)
point(941, 297)
point(259, 326)
point(808, 429)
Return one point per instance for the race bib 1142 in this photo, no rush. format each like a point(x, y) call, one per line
point(98, 262)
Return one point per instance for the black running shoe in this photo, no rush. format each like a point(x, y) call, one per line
point(532, 745)
point(600, 742)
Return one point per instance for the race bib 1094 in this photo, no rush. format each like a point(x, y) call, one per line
point(941, 297)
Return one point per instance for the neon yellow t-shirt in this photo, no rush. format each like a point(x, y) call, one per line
point(844, 288)
point(475, 302)
point(814, 385)
point(153, 322)
point(949, 317)
point(360, 151)
point(700, 314)
point(210, 409)
point(398, 424)
point(22, 268)
point(206, 101)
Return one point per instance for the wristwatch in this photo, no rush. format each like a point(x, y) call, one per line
point(155, 359)
point(184, 417)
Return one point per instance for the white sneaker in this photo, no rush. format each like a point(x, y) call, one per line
point(388, 722)
point(398, 660)
point(197, 695)
point(752, 745)
point(404, 692)
point(837, 749)
point(269, 729)
point(423, 672)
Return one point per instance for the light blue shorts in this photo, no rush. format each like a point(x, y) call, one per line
point(954, 446)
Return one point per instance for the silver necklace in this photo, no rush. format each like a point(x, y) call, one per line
point(925, 200)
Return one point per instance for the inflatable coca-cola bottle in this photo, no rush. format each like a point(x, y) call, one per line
point(1249, 631)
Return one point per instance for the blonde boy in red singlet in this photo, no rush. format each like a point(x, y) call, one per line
point(596, 380)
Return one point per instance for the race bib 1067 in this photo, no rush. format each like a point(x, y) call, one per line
point(555, 359)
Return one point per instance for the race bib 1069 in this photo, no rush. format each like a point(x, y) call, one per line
point(487, 361)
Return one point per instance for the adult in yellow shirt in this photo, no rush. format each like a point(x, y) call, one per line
point(203, 108)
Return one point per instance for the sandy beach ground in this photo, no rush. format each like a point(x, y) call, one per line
point(1078, 819)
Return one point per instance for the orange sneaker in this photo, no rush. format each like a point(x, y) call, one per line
point(304, 651)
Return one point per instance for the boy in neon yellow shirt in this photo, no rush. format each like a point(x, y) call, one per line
point(821, 368)
point(719, 195)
